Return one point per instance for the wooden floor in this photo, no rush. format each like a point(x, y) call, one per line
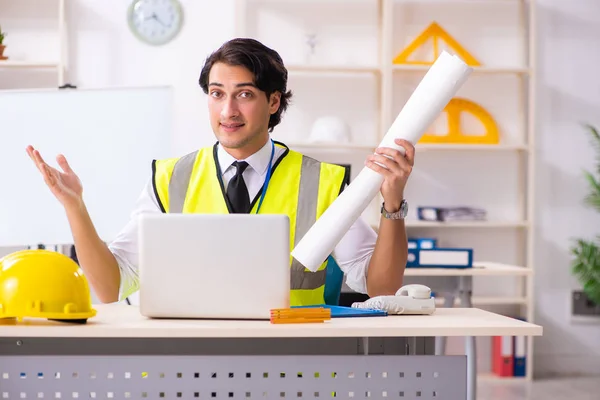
point(584, 388)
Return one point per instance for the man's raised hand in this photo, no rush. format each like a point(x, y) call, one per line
point(65, 186)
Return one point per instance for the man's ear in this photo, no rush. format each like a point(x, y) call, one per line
point(274, 102)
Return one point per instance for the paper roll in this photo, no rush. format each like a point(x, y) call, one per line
point(438, 87)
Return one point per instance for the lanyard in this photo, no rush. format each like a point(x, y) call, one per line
point(268, 178)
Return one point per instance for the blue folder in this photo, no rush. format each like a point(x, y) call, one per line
point(344, 312)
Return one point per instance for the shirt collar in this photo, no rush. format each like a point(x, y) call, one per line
point(258, 161)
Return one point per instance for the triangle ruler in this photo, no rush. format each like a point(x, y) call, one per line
point(436, 34)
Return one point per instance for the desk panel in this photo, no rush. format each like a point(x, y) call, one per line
point(155, 377)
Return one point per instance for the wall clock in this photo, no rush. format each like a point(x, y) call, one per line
point(155, 22)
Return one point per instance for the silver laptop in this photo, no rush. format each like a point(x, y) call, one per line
point(232, 266)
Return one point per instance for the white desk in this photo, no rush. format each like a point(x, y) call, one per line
point(120, 354)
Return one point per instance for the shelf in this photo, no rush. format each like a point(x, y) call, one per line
point(27, 64)
point(485, 301)
point(476, 70)
point(492, 378)
point(419, 147)
point(332, 69)
point(461, 224)
point(454, 2)
point(470, 147)
point(493, 301)
point(330, 146)
point(480, 268)
point(465, 224)
point(344, 69)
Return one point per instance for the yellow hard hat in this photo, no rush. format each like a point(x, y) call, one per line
point(43, 284)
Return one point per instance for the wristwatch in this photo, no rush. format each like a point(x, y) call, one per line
point(400, 214)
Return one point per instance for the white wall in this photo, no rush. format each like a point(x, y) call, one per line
point(568, 95)
point(104, 53)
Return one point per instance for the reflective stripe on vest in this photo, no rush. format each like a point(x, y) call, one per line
point(180, 180)
point(308, 194)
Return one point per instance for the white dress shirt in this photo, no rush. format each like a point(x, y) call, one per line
point(352, 253)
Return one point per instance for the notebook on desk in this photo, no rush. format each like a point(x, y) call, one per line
point(345, 312)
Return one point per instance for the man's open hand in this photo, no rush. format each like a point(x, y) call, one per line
point(65, 186)
point(396, 172)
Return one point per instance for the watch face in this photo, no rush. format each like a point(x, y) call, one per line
point(404, 208)
point(155, 21)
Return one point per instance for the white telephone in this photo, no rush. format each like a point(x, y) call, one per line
point(409, 299)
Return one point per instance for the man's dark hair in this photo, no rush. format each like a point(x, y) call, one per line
point(270, 75)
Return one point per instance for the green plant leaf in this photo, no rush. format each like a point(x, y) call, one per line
point(592, 291)
point(585, 263)
point(585, 267)
point(592, 199)
point(595, 142)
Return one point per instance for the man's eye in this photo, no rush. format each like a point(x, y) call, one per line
point(246, 94)
point(215, 94)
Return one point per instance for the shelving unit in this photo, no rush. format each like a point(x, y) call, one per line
point(19, 40)
point(359, 40)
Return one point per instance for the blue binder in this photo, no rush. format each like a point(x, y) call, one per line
point(519, 354)
point(345, 312)
point(422, 243)
point(415, 258)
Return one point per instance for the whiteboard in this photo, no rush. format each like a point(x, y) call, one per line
point(109, 136)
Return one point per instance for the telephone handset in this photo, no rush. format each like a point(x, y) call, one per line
point(415, 291)
point(409, 299)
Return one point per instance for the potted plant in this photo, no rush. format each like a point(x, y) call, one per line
point(2, 46)
point(585, 264)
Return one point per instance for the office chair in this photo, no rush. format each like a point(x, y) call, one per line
point(333, 283)
point(333, 288)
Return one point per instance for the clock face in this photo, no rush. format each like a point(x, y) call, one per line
point(155, 21)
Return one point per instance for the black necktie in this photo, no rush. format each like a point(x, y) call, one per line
point(237, 192)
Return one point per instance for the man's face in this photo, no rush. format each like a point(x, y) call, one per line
point(239, 111)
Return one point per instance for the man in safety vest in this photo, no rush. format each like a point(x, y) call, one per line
point(246, 84)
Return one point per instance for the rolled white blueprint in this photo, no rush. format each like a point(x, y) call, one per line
point(438, 87)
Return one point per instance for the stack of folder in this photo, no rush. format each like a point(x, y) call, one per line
point(509, 354)
point(447, 214)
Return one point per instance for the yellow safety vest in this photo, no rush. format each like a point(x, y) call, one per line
point(300, 186)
